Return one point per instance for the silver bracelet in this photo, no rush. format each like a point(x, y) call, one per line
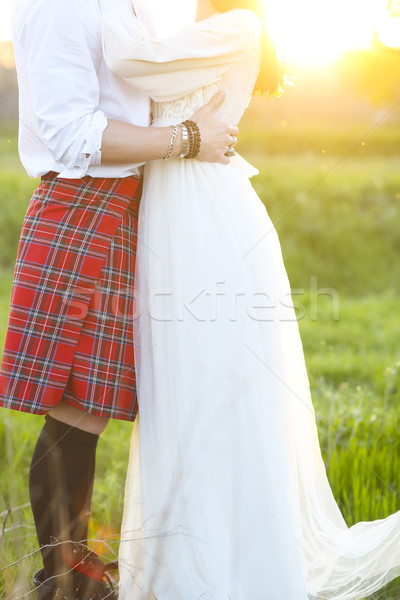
point(172, 142)
point(185, 141)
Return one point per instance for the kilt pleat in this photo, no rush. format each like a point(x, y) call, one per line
point(71, 325)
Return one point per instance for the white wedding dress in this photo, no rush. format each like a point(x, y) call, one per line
point(226, 494)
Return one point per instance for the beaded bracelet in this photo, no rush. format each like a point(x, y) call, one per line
point(174, 135)
point(194, 139)
point(190, 142)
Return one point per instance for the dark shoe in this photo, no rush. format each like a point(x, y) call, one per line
point(76, 586)
point(46, 590)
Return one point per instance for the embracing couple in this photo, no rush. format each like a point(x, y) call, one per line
point(175, 315)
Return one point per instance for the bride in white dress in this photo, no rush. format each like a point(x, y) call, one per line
point(226, 494)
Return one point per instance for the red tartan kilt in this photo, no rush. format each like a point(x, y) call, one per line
point(72, 317)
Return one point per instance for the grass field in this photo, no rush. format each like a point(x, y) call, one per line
point(339, 224)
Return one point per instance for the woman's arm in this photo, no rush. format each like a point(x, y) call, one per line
point(172, 67)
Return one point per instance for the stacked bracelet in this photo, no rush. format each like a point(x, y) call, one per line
point(174, 135)
point(194, 139)
point(185, 141)
point(191, 140)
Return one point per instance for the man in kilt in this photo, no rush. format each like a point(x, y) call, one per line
point(69, 346)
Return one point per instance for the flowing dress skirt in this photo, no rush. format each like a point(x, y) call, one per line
point(227, 495)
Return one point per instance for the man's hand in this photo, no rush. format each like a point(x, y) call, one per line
point(216, 137)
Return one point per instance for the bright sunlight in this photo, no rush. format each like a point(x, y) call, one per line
point(315, 32)
point(307, 32)
point(5, 20)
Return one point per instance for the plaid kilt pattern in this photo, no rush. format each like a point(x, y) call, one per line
point(71, 327)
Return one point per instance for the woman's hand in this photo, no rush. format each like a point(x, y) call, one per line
point(125, 143)
point(216, 137)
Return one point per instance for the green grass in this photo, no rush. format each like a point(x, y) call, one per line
point(338, 223)
point(290, 138)
point(340, 226)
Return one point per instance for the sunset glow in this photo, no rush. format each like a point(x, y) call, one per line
point(319, 31)
point(308, 32)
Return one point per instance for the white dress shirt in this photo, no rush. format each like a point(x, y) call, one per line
point(66, 90)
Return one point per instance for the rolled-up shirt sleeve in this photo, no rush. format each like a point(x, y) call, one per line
point(62, 56)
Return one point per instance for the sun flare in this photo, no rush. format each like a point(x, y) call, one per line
point(318, 31)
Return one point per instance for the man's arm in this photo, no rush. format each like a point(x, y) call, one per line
point(128, 143)
point(62, 56)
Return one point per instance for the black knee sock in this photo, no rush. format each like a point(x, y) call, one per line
point(60, 487)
